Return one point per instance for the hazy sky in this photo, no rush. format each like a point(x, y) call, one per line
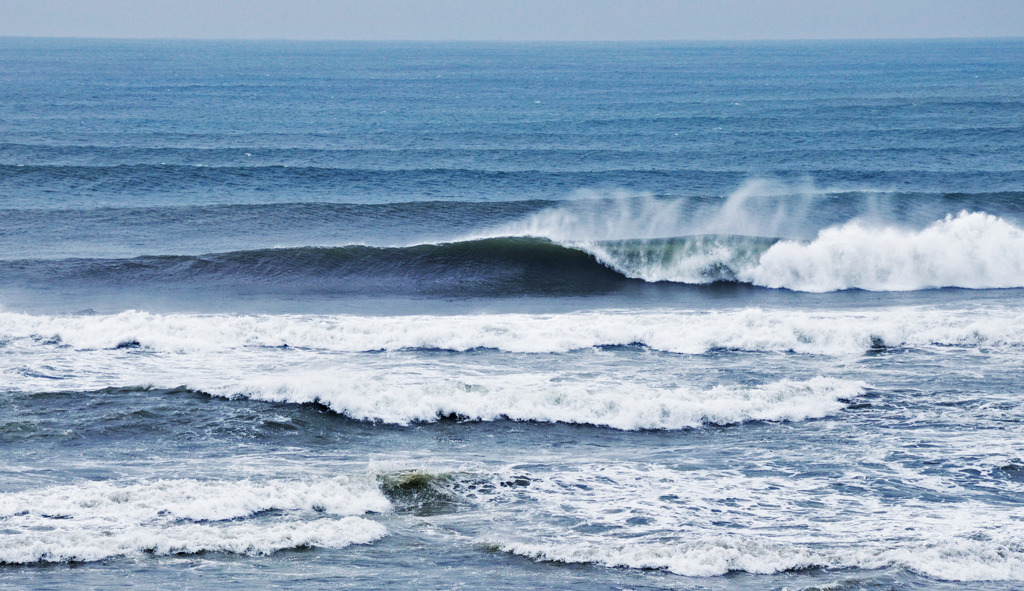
point(513, 20)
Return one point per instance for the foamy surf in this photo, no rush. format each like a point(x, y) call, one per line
point(92, 521)
point(945, 559)
point(649, 517)
point(515, 309)
point(817, 332)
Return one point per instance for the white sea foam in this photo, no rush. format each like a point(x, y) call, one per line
point(405, 388)
point(70, 543)
point(96, 520)
point(640, 516)
point(700, 556)
point(841, 332)
point(945, 558)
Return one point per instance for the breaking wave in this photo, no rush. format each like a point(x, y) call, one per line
point(969, 250)
point(521, 398)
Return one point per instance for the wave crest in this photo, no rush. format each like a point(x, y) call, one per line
point(969, 250)
point(522, 398)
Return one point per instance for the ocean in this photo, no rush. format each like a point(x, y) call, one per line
point(713, 316)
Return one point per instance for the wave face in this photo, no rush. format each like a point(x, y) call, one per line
point(476, 267)
point(767, 234)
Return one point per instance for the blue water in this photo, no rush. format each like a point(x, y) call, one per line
point(551, 316)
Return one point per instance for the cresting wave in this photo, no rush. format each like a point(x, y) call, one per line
point(969, 250)
point(542, 399)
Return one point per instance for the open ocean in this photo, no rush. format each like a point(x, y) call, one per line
point(712, 316)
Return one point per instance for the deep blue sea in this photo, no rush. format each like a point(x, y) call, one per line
point(718, 316)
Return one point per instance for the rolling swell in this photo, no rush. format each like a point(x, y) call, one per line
point(491, 266)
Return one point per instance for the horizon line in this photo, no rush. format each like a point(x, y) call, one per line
point(518, 41)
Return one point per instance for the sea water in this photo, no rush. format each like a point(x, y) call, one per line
point(538, 316)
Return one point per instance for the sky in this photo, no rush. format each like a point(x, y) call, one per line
point(513, 20)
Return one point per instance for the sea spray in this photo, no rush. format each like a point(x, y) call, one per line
point(758, 208)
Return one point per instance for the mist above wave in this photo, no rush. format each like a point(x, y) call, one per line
point(758, 208)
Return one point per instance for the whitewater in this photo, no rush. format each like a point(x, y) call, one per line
point(659, 316)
